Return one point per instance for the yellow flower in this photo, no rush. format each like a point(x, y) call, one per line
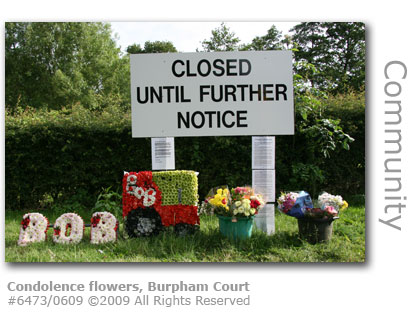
point(225, 192)
point(344, 205)
point(219, 191)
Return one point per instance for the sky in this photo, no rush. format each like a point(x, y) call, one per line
point(187, 36)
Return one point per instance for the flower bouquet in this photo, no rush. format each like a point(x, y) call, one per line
point(295, 204)
point(329, 207)
point(314, 223)
point(245, 203)
point(236, 209)
point(326, 200)
point(217, 201)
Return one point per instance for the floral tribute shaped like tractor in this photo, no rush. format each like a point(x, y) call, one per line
point(153, 200)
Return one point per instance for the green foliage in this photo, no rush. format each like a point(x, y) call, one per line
point(325, 134)
point(134, 49)
point(348, 167)
point(304, 173)
point(66, 153)
point(336, 49)
point(110, 201)
point(152, 47)
point(57, 64)
point(270, 41)
point(53, 156)
point(222, 39)
point(54, 65)
point(318, 135)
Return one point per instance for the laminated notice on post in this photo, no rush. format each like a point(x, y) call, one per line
point(163, 153)
point(264, 183)
point(263, 152)
point(265, 219)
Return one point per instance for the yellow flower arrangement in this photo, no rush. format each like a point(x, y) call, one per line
point(220, 199)
point(238, 202)
point(344, 205)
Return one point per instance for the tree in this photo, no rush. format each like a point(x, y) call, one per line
point(222, 39)
point(337, 50)
point(134, 49)
point(270, 41)
point(348, 40)
point(321, 135)
point(57, 64)
point(152, 47)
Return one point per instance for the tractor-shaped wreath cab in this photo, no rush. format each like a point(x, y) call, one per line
point(153, 200)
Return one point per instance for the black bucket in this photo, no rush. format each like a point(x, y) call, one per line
point(315, 230)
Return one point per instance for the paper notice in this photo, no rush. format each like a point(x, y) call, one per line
point(263, 182)
point(265, 219)
point(163, 153)
point(263, 152)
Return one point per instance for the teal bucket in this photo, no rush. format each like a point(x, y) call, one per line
point(239, 230)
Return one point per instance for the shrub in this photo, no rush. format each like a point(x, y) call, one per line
point(74, 153)
point(348, 168)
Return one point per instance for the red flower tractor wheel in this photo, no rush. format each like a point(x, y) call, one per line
point(143, 222)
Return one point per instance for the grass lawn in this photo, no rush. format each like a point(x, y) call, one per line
point(346, 245)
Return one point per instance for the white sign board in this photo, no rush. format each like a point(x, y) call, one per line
point(212, 94)
point(163, 153)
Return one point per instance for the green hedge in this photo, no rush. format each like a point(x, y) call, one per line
point(346, 170)
point(75, 153)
